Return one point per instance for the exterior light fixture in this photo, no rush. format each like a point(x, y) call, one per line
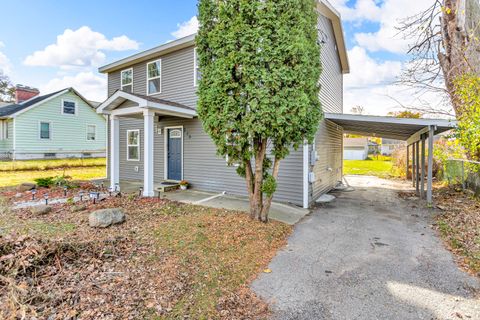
point(65, 191)
point(110, 190)
point(140, 190)
point(117, 187)
point(45, 196)
point(94, 196)
point(34, 192)
point(81, 195)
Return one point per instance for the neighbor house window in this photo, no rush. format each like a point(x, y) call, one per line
point(127, 80)
point(197, 76)
point(154, 77)
point(91, 132)
point(45, 130)
point(133, 145)
point(69, 107)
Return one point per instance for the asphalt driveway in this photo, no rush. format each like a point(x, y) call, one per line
point(368, 255)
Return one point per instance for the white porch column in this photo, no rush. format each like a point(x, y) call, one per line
point(431, 133)
point(114, 151)
point(148, 117)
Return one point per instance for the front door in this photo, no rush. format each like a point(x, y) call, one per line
point(174, 154)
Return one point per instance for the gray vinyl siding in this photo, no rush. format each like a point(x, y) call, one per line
point(177, 78)
point(202, 167)
point(331, 79)
point(328, 167)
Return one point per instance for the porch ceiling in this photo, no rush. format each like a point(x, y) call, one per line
point(387, 127)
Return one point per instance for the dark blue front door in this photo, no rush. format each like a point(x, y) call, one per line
point(174, 154)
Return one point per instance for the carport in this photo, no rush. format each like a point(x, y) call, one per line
point(416, 132)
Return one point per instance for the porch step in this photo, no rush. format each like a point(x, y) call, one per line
point(166, 186)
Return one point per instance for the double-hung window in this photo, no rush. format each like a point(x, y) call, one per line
point(3, 129)
point(133, 145)
point(197, 76)
point(91, 132)
point(45, 131)
point(154, 77)
point(69, 107)
point(126, 78)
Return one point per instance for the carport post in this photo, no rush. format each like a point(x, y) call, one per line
point(422, 177)
point(417, 168)
point(406, 172)
point(431, 131)
point(413, 164)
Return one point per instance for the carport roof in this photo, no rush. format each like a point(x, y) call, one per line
point(387, 127)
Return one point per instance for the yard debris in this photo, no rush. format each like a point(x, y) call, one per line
point(40, 209)
point(106, 217)
point(459, 225)
point(168, 261)
point(267, 270)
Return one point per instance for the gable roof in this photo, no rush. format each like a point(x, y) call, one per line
point(11, 110)
point(323, 6)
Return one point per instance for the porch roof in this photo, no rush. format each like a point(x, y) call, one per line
point(161, 106)
point(388, 127)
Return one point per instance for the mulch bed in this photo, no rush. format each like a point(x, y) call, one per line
point(125, 271)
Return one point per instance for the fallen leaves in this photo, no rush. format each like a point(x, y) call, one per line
point(168, 261)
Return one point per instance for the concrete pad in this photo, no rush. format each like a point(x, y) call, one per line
point(282, 212)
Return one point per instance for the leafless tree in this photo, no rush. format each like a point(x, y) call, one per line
point(7, 90)
point(445, 45)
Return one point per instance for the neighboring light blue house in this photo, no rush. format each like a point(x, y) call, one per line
point(61, 124)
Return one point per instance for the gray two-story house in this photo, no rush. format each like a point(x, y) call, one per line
point(155, 134)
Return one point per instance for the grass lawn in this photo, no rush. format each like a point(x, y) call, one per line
point(50, 164)
point(166, 261)
point(12, 178)
point(383, 167)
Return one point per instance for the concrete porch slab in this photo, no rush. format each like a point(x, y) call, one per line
point(285, 213)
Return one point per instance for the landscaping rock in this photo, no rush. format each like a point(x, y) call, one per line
point(26, 186)
point(78, 207)
point(106, 217)
point(19, 195)
point(40, 209)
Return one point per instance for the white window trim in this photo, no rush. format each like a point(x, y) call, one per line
point(86, 128)
point(49, 130)
point(195, 68)
point(165, 152)
point(157, 77)
point(133, 145)
point(76, 108)
point(3, 130)
point(121, 79)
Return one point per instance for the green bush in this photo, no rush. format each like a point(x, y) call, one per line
point(46, 182)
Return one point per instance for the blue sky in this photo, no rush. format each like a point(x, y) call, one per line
point(93, 33)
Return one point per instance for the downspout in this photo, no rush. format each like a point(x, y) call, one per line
point(305, 176)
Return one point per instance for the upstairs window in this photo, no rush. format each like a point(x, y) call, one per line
point(69, 107)
point(91, 132)
point(133, 145)
point(154, 77)
point(3, 129)
point(45, 130)
point(197, 76)
point(127, 80)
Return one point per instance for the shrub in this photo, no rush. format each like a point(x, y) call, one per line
point(46, 182)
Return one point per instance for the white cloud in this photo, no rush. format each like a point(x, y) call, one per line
point(387, 38)
point(79, 48)
point(186, 28)
point(91, 86)
point(362, 10)
point(5, 64)
point(365, 71)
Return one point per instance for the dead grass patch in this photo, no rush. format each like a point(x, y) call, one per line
point(167, 261)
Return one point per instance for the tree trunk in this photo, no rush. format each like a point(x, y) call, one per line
point(249, 177)
point(257, 186)
point(268, 201)
point(461, 55)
